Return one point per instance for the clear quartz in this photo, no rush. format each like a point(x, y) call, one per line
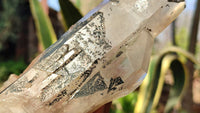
point(102, 57)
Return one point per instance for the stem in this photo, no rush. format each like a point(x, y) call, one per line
point(187, 101)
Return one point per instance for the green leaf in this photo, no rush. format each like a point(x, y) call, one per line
point(182, 52)
point(10, 67)
point(125, 104)
point(179, 72)
point(148, 88)
point(180, 82)
point(45, 31)
point(70, 14)
point(151, 89)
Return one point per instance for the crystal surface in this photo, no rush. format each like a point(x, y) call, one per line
point(104, 56)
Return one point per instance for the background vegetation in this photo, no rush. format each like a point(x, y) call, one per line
point(27, 27)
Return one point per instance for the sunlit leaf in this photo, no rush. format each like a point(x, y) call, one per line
point(183, 53)
point(144, 96)
point(151, 89)
point(45, 31)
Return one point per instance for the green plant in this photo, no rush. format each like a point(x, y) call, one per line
point(11, 67)
point(152, 86)
point(125, 104)
point(70, 14)
point(45, 31)
point(9, 17)
point(13, 19)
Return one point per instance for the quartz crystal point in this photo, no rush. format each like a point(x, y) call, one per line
point(102, 57)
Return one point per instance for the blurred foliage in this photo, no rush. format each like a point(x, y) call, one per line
point(45, 31)
point(8, 17)
point(11, 19)
point(182, 38)
point(12, 15)
point(198, 51)
point(11, 67)
point(70, 14)
point(151, 89)
point(78, 3)
point(85, 5)
point(125, 104)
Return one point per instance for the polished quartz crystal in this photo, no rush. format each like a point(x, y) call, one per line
point(102, 57)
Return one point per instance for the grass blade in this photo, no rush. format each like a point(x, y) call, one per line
point(45, 31)
point(151, 89)
point(70, 14)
